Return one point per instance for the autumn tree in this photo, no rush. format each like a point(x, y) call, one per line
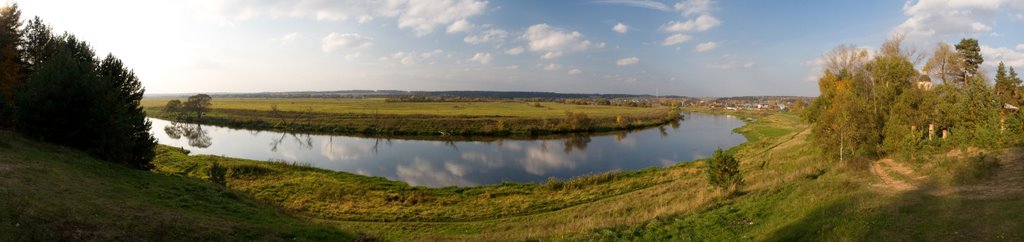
point(891, 73)
point(945, 64)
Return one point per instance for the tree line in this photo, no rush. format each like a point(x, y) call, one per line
point(54, 88)
point(882, 105)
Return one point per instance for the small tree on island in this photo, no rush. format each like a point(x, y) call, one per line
point(198, 104)
point(173, 107)
point(723, 171)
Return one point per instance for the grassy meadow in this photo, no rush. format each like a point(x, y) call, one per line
point(378, 117)
point(788, 194)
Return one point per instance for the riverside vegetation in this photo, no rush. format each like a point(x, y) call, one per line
point(381, 117)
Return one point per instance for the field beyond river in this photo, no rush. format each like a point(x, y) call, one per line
point(381, 117)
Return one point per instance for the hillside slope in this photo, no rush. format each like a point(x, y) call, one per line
point(50, 193)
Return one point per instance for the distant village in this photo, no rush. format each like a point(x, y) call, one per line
point(766, 103)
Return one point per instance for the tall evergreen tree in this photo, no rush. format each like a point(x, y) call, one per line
point(39, 44)
point(971, 53)
point(61, 95)
point(11, 77)
point(124, 95)
point(1014, 78)
point(75, 100)
point(1007, 89)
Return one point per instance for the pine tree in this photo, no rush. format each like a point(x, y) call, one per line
point(1005, 87)
point(971, 53)
point(11, 76)
point(124, 93)
point(75, 100)
point(39, 44)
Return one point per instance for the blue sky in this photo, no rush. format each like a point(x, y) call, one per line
point(691, 47)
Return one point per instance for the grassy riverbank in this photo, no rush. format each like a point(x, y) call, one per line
point(378, 117)
point(789, 194)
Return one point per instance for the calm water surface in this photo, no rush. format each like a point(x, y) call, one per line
point(466, 163)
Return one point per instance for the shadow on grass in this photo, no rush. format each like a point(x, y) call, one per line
point(933, 211)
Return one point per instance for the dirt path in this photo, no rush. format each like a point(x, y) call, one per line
point(895, 176)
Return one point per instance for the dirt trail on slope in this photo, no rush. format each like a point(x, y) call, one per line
point(895, 176)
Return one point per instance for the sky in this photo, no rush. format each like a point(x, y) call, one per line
point(692, 47)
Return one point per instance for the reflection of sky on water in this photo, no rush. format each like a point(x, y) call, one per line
point(467, 163)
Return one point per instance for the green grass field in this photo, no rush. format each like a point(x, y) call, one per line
point(378, 117)
point(789, 194)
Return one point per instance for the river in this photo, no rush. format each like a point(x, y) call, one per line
point(466, 163)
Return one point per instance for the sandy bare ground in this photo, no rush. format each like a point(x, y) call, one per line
point(895, 176)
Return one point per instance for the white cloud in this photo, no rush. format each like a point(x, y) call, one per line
point(1020, 47)
point(701, 23)
point(1008, 56)
point(706, 46)
point(729, 62)
point(620, 28)
point(404, 57)
point(676, 39)
point(552, 67)
point(287, 38)
point(544, 38)
point(420, 16)
point(627, 61)
point(941, 18)
point(512, 67)
point(409, 58)
point(335, 41)
point(365, 19)
point(691, 7)
point(575, 72)
point(423, 15)
point(649, 4)
point(514, 51)
point(459, 26)
point(551, 55)
point(483, 58)
point(490, 35)
point(427, 55)
point(353, 56)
